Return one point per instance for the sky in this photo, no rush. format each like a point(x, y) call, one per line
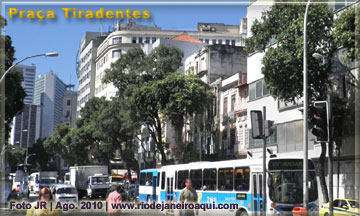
point(30, 36)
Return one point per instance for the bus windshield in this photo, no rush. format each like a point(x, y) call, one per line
point(287, 186)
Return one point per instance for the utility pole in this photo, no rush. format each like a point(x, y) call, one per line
point(264, 164)
point(330, 159)
point(305, 121)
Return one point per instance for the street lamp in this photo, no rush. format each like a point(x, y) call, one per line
point(51, 54)
point(305, 110)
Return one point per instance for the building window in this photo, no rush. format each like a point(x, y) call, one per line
point(134, 40)
point(258, 89)
point(153, 39)
point(68, 102)
point(225, 110)
point(140, 40)
point(220, 41)
point(233, 99)
point(116, 53)
point(117, 40)
point(227, 42)
point(207, 41)
point(232, 42)
point(214, 41)
point(147, 40)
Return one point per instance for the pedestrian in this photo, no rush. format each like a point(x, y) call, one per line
point(188, 195)
point(114, 198)
point(44, 196)
point(13, 195)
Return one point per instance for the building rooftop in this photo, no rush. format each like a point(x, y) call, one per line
point(187, 38)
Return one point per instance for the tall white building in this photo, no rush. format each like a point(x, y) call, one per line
point(23, 130)
point(48, 94)
point(129, 36)
point(86, 67)
point(29, 81)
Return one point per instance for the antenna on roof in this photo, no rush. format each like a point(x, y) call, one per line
point(101, 28)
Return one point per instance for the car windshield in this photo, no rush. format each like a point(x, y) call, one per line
point(354, 204)
point(99, 180)
point(120, 180)
point(47, 181)
point(66, 191)
point(287, 187)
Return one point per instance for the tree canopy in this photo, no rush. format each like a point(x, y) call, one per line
point(282, 63)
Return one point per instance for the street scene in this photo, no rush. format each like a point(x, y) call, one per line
point(244, 108)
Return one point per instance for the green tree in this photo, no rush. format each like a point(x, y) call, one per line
point(15, 156)
point(116, 129)
point(154, 93)
point(170, 99)
point(70, 143)
point(14, 92)
point(282, 63)
point(344, 32)
point(42, 160)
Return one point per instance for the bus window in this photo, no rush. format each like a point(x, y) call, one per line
point(209, 179)
point(226, 178)
point(196, 177)
point(149, 179)
point(242, 178)
point(158, 179)
point(176, 178)
point(182, 176)
point(162, 180)
point(142, 178)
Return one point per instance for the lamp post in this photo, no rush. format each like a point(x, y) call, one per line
point(305, 110)
point(51, 54)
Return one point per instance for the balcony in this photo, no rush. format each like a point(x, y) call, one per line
point(241, 107)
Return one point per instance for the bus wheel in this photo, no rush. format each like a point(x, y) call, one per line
point(241, 213)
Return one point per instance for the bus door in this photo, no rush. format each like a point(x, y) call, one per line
point(169, 189)
point(169, 193)
point(154, 185)
point(257, 193)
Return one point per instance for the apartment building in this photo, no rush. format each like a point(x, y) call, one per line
point(86, 67)
point(129, 35)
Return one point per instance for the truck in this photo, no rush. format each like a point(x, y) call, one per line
point(42, 179)
point(91, 180)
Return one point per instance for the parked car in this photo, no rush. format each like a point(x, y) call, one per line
point(64, 193)
point(341, 207)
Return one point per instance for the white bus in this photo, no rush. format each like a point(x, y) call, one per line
point(237, 182)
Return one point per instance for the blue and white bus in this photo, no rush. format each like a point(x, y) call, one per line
point(237, 181)
point(148, 185)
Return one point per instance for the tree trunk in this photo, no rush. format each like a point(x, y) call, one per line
point(321, 169)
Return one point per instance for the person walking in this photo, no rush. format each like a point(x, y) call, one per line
point(114, 198)
point(188, 195)
point(44, 196)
